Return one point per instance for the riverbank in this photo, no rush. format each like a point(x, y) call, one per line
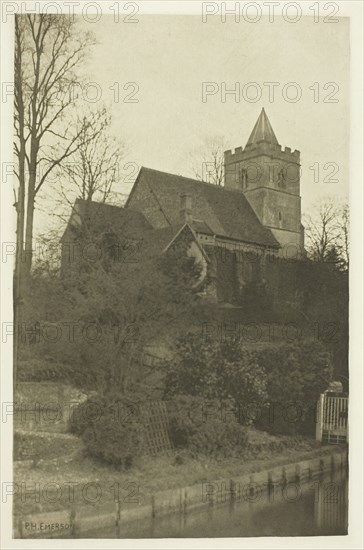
point(89, 503)
point(80, 480)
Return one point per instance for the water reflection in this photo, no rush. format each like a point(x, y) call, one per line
point(318, 507)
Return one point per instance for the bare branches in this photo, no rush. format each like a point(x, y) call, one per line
point(344, 233)
point(327, 233)
point(93, 169)
point(208, 162)
point(48, 50)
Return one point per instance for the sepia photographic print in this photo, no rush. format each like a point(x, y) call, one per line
point(181, 234)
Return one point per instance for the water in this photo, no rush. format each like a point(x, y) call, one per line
point(318, 507)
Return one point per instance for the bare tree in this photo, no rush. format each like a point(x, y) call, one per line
point(327, 232)
point(48, 49)
point(344, 233)
point(208, 162)
point(93, 170)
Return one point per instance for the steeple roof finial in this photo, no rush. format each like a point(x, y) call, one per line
point(262, 131)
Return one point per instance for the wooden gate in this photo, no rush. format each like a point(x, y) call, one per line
point(332, 419)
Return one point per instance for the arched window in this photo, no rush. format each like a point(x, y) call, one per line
point(280, 216)
point(281, 179)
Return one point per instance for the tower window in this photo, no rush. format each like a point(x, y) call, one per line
point(280, 216)
point(244, 178)
point(281, 178)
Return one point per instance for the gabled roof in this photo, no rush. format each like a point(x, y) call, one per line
point(262, 131)
point(157, 241)
point(201, 227)
point(106, 217)
point(129, 224)
point(226, 212)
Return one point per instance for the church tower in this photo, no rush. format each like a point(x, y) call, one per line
point(269, 177)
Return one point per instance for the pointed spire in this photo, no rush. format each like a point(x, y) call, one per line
point(262, 131)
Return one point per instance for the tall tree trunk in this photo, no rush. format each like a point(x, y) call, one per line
point(28, 248)
point(18, 273)
point(20, 201)
point(34, 149)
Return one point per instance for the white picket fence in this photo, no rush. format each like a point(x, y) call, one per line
point(332, 419)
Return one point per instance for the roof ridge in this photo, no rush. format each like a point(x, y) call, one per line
point(165, 228)
point(221, 187)
point(79, 200)
point(123, 208)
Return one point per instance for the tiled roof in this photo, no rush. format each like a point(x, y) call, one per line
point(201, 227)
point(106, 217)
point(146, 242)
point(116, 218)
point(155, 241)
point(227, 212)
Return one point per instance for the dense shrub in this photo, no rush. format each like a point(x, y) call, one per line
point(203, 427)
point(296, 375)
point(275, 387)
point(215, 369)
point(112, 429)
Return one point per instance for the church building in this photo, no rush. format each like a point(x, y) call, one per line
point(256, 214)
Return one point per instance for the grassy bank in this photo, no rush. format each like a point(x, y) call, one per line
point(64, 480)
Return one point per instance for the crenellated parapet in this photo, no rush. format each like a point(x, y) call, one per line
point(262, 148)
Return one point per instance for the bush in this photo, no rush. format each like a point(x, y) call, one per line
point(112, 429)
point(201, 427)
point(297, 374)
point(215, 370)
point(281, 382)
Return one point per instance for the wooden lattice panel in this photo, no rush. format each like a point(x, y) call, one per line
point(156, 427)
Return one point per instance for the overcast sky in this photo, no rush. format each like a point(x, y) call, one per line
point(169, 57)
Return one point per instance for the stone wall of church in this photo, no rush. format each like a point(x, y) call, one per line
point(262, 164)
point(276, 208)
point(238, 276)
